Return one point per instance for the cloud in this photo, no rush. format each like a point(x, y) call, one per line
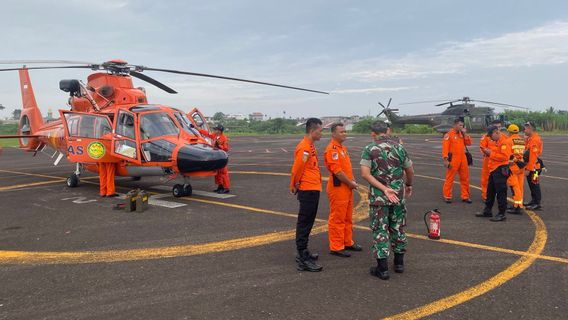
point(544, 45)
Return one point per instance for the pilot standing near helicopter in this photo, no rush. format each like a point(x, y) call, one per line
point(454, 147)
point(499, 153)
point(305, 182)
point(534, 165)
point(222, 142)
point(339, 189)
point(484, 144)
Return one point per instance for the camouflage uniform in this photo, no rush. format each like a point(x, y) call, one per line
point(387, 159)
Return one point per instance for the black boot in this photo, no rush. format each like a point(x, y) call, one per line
point(381, 270)
point(313, 256)
point(515, 210)
point(499, 217)
point(399, 262)
point(219, 187)
point(305, 262)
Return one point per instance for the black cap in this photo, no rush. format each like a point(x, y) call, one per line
point(219, 127)
point(530, 124)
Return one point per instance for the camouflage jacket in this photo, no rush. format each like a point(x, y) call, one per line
point(387, 159)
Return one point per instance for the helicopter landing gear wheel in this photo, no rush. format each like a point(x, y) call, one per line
point(187, 189)
point(73, 181)
point(182, 190)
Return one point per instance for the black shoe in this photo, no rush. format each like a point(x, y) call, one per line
point(399, 262)
point(223, 191)
point(498, 217)
point(515, 210)
point(219, 187)
point(448, 200)
point(354, 247)
point(381, 271)
point(534, 207)
point(528, 204)
point(312, 256)
point(467, 201)
point(305, 263)
point(341, 253)
point(484, 214)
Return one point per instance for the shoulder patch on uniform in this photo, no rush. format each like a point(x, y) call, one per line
point(503, 147)
point(305, 156)
point(535, 149)
point(335, 156)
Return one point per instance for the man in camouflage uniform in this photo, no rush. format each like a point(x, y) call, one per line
point(384, 163)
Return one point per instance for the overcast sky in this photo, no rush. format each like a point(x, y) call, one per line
point(361, 51)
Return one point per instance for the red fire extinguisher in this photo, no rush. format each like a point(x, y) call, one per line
point(433, 224)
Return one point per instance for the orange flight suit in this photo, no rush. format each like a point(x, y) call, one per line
point(305, 171)
point(534, 147)
point(500, 153)
point(516, 180)
point(106, 178)
point(340, 197)
point(454, 143)
point(222, 142)
point(484, 144)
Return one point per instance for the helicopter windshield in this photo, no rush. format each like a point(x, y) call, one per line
point(185, 123)
point(157, 124)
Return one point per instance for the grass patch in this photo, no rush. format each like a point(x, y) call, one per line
point(10, 142)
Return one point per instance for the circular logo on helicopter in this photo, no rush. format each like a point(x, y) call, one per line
point(96, 150)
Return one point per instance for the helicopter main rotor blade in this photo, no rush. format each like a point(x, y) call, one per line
point(382, 105)
point(419, 102)
point(502, 104)
point(152, 81)
point(230, 78)
point(44, 62)
point(388, 104)
point(43, 68)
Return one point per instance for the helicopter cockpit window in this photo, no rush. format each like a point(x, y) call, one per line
point(185, 123)
point(87, 126)
point(198, 120)
point(125, 125)
point(158, 124)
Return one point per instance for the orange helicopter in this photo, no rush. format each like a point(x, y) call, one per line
point(112, 121)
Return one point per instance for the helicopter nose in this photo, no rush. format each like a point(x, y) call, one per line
point(200, 157)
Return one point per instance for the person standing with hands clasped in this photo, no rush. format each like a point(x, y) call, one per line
point(384, 164)
point(339, 189)
point(455, 160)
point(305, 182)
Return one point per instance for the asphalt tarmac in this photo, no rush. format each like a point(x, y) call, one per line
point(66, 254)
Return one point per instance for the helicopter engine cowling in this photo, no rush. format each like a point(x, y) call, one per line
point(200, 157)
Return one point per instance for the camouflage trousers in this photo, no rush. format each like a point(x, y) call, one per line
point(387, 225)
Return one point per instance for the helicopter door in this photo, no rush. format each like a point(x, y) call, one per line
point(88, 137)
point(126, 142)
point(198, 120)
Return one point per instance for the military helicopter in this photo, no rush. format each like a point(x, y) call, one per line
point(109, 120)
point(476, 119)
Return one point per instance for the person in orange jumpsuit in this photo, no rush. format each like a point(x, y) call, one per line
point(533, 167)
point(305, 182)
point(484, 144)
point(107, 171)
point(499, 153)
point(222, 142)
point(453, 152)
point(516, 180)
point(339, 189)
